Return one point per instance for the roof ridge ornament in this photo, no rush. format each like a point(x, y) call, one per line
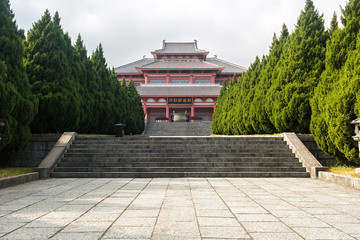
point(164, 43)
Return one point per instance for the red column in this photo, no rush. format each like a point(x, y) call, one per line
point(146, 112)
point(191, 79)
point(167, 112)
point(168, 79)
point(147, 79)
point(192, 112)
point(212, 80)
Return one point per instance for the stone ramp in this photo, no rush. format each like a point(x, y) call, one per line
point(178, 129)
point(152, 157)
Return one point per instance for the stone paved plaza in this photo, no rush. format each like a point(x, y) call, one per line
point(185, 208)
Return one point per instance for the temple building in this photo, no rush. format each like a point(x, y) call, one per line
point(180, 78)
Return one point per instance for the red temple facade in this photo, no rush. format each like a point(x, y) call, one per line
point(180, 78)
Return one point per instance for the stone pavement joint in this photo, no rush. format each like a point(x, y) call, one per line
point(179, 208)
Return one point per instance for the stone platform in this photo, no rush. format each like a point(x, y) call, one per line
point(174, 208)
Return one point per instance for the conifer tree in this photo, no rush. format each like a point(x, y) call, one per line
point(260, 109)
point(17, 105)
point(48, 65)
point(217, 116)
point(86, 76)
point(336, 99)
point(299, 70)
point(107, 118)
point(137, 123)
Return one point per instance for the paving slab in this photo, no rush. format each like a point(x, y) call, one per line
point(179, 208)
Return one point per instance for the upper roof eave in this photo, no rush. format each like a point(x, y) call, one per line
point(179, 53)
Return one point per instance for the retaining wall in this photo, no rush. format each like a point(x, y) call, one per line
point(36, 150)
point(320, 155)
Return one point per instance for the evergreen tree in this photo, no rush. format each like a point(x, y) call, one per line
point(48, 62)
point(106, 94)
point(137, 123)
point(336, 99)
point(300, 68)
point(17, 105)
point(217, 116)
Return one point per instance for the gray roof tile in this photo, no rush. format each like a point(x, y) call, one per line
point(131, 67)
point(179, 47)
point(228, 67)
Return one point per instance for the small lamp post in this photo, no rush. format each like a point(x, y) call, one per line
point(356, 122)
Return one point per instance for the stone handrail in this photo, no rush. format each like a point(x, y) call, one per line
point(308, 160)
point(56, 153)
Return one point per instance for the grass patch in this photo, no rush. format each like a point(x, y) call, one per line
point(344, 170)
point(9, 172)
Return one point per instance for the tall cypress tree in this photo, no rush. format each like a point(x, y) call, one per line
point(17, 105)
point(260, 110)
point(216, 123)
point(336, 99)
point(88, 80)
point(48, 65)
point(137, 123)
point(299, 70)
point(106, 95)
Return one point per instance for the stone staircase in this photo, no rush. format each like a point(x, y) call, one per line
point(178, 129)
point(150, 157)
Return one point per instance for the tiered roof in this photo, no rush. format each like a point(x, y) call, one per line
point(179, 48)
point(184, 48)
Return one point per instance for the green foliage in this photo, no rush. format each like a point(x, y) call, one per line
point(216, 123)
point(48, 61)
point(76, 92)
point(300, 67)
point(17, 105)
point(336, 99)
point(309, 81)
point(136, 123)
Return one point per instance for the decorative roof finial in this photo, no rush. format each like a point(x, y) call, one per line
point(215, 56)
point(144, 56)
point(164, 42)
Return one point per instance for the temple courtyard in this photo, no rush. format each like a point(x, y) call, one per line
point(179, 208)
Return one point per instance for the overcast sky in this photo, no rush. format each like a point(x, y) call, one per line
point(234, 30)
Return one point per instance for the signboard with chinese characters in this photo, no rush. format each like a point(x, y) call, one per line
point(180, 100)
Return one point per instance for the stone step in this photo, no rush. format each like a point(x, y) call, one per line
point(173, 146)
point(178, 169)
point(202, 140)
point(177, 151)
point(210, 159)
point(179, 157)
point(184, 155)
point(178, 164)
point(178, 174)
